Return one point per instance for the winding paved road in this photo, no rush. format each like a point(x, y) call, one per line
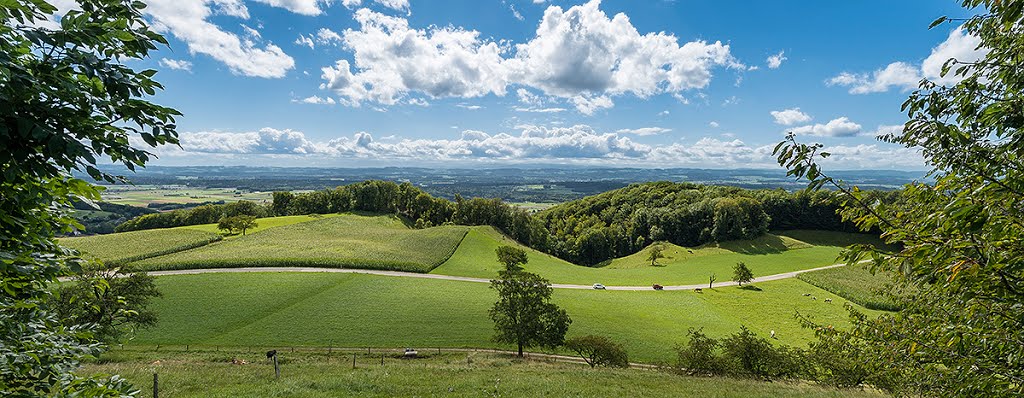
point(465, 278)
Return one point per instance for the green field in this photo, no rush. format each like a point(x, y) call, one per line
point(354, 310)
point(768, 255)
point(346, 241)
point(262, 223)
point(142, 195)
point(855, 283)
point(137, 245)
point(307, 374)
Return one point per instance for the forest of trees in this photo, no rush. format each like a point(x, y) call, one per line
point(586, 231)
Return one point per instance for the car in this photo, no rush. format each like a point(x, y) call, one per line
point(658, 287)
point(598, 286)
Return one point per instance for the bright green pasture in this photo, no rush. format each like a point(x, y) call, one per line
point(136, 245)
point(306, 374)
point(354, 310)
point(347, 240)
point(765, 256)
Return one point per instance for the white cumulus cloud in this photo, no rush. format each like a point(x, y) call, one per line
point(840, 127)
point(789, 117)
point(775, 61)
point(189, 22)
point(176, 64)
point(958, 45)
point(644, 131)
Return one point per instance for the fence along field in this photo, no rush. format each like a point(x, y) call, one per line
point(116, 249)
point(205, 373)
point(344, 241)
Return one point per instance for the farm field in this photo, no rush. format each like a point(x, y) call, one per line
point(768, 255)
point(307, 374)
point(354, 310)
point(346, 241)
point(855, 283)
point(137, 245)
point(261, 224)
point(143, 195)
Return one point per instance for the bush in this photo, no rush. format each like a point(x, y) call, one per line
point(599, 351)
point(741, 354)
point(700, 355)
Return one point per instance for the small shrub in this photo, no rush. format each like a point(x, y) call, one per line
point(599, 351)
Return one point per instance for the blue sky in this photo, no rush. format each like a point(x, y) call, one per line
point(710, 84)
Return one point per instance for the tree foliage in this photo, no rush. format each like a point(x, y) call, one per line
point(114, 299)
point(237, 224)
point(655, 254)
point(960, 333)
point(513, 258)
point(524, 314)
point(599, 351)
point(741, 273)
point(67, 101)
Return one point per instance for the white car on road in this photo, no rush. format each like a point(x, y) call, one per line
point(598, 286)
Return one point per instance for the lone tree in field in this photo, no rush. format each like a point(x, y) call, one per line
point(711, 280)
point(741, 274)
point(599, 351)
point(524, 314)
point(237, 223)
point(114, 299)
point(513, 258)
point(655, 254)
point(69, 100)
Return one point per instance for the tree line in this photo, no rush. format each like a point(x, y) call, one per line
point(586, 231)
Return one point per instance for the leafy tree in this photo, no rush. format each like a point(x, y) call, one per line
point(524, 314)
point(66, 102)
point(236, 224)
point(655, 254)
point(513, 258)
point(114, 299)
point(711, 280)
point(960, 332)
point(741, 274)
point(599, 351)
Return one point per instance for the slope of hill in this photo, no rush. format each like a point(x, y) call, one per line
point(770, 254)
point(353, 310)
point(347, 241)
point(114, 249)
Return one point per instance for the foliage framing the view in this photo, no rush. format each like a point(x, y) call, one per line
point(66, 101)
point(960, 332)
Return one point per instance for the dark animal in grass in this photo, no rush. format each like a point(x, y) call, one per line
point(828, 300)
point(807, 295)
point(271, 354)
point(698, 290)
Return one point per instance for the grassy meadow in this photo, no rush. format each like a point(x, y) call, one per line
point(142, 195)
point(355, 310)
point(262, 224)
point(346, 241)
point(771, 254)
point(137, 245)
point(308, 374)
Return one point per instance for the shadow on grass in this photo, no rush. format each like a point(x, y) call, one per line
point(766, 244)
point(751, 288)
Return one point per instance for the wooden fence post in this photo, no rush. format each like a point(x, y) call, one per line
point(277, 370)
point(156, 386)
point(353, 361)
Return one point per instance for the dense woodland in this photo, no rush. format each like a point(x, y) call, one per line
point(586, 231)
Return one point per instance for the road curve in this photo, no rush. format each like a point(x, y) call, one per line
point(766, 278)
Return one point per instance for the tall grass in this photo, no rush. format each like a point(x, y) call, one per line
point(857, 284)
point(343, 241)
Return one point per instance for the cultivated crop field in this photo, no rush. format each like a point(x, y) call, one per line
point(142, 195)
point(345, 241)
point(855, 283)
point(126, 247)
point(263, 223)
point(307, 374)
point(768, 255)
point(354, 310)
